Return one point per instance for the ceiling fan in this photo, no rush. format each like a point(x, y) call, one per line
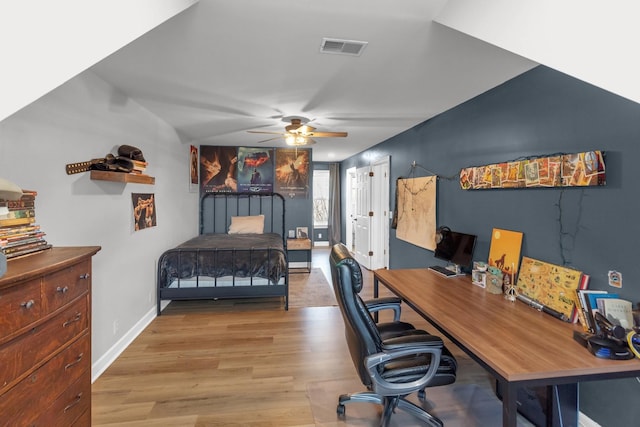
point(300, 133)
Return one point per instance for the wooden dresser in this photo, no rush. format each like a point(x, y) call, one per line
point(45, 339)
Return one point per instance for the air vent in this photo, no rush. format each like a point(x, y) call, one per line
point(342, 47)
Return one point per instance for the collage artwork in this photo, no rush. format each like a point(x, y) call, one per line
point(562, 170)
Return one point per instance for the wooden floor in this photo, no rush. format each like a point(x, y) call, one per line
point(238, 365)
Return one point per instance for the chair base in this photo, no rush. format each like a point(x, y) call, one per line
point(389, 405)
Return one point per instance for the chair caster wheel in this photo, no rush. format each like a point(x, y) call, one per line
point(422, 395)
point(340, 410)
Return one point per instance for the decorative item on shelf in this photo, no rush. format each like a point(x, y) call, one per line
point(129, 161)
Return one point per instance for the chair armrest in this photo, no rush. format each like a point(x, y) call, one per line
point(385, 303)
point(410, 339)
point(413, 347)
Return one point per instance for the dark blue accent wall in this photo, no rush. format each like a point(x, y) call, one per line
point(593, 229)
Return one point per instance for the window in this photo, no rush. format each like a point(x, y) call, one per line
point(320, 198)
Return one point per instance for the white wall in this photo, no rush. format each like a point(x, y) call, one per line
point(86, 118)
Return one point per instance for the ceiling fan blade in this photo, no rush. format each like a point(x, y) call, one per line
point(328, 134)
point(261, 131)
point(270, 139)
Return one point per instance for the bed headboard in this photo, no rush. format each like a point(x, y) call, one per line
point(216, 210)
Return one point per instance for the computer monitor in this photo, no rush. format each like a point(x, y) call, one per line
point(456, 248)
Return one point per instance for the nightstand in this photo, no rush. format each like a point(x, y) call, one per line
point(300, 245)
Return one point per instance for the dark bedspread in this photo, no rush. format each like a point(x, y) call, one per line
point(219, 255)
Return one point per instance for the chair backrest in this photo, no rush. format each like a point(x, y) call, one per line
point(361, 332)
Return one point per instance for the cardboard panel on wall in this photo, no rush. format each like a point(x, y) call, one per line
point(218, 169)
point(292, 172)
point(255, 170)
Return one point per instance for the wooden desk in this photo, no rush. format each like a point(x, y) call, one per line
point(517, 344)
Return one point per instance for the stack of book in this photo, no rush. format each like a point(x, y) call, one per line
point(617, 310)
point(139, 167)
point(19, 233)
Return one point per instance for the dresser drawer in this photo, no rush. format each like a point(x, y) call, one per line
point(21, 404)
point(65, 285)
point(70, 405)
point(84, 420)
point(33, 347)
point(20, 305)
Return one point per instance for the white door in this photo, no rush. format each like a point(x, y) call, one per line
point(350, 228)
point(379, 232)
point(362, 220)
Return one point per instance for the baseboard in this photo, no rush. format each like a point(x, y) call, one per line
point(112, 354)
point(584, 421)
point(298, 265)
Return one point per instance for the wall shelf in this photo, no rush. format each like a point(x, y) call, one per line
point(122, 177)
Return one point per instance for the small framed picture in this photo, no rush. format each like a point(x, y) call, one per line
point(302, 232)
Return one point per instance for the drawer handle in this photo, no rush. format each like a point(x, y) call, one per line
point(85, 276)
point(74, 403)
point(62, 290)
point(75, 319)
point(27, 304)
point(75, 362)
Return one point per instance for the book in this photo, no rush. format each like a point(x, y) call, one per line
point(22, 247)
point(589, 324)
point(592, 304)
point(577, 310)
point(29, 251)
point(20, 204)
point(618, 311)
point(6, 222)
point(21, 213)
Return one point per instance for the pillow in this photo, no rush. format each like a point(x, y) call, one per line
point(247, 224)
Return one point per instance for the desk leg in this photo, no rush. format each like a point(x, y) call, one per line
point(509, 404)
point(565, 405)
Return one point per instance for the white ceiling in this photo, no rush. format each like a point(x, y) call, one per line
point(223, 67)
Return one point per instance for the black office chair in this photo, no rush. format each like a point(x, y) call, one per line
point(393, 367)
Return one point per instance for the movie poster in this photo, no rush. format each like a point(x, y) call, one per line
point(292, 172)
point(218, 169)
point(255, 170)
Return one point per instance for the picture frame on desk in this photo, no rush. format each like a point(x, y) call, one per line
point(302, 232)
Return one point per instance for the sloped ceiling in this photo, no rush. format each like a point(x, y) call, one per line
point(594, 41)
point(224, 67)
point(44, 43)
